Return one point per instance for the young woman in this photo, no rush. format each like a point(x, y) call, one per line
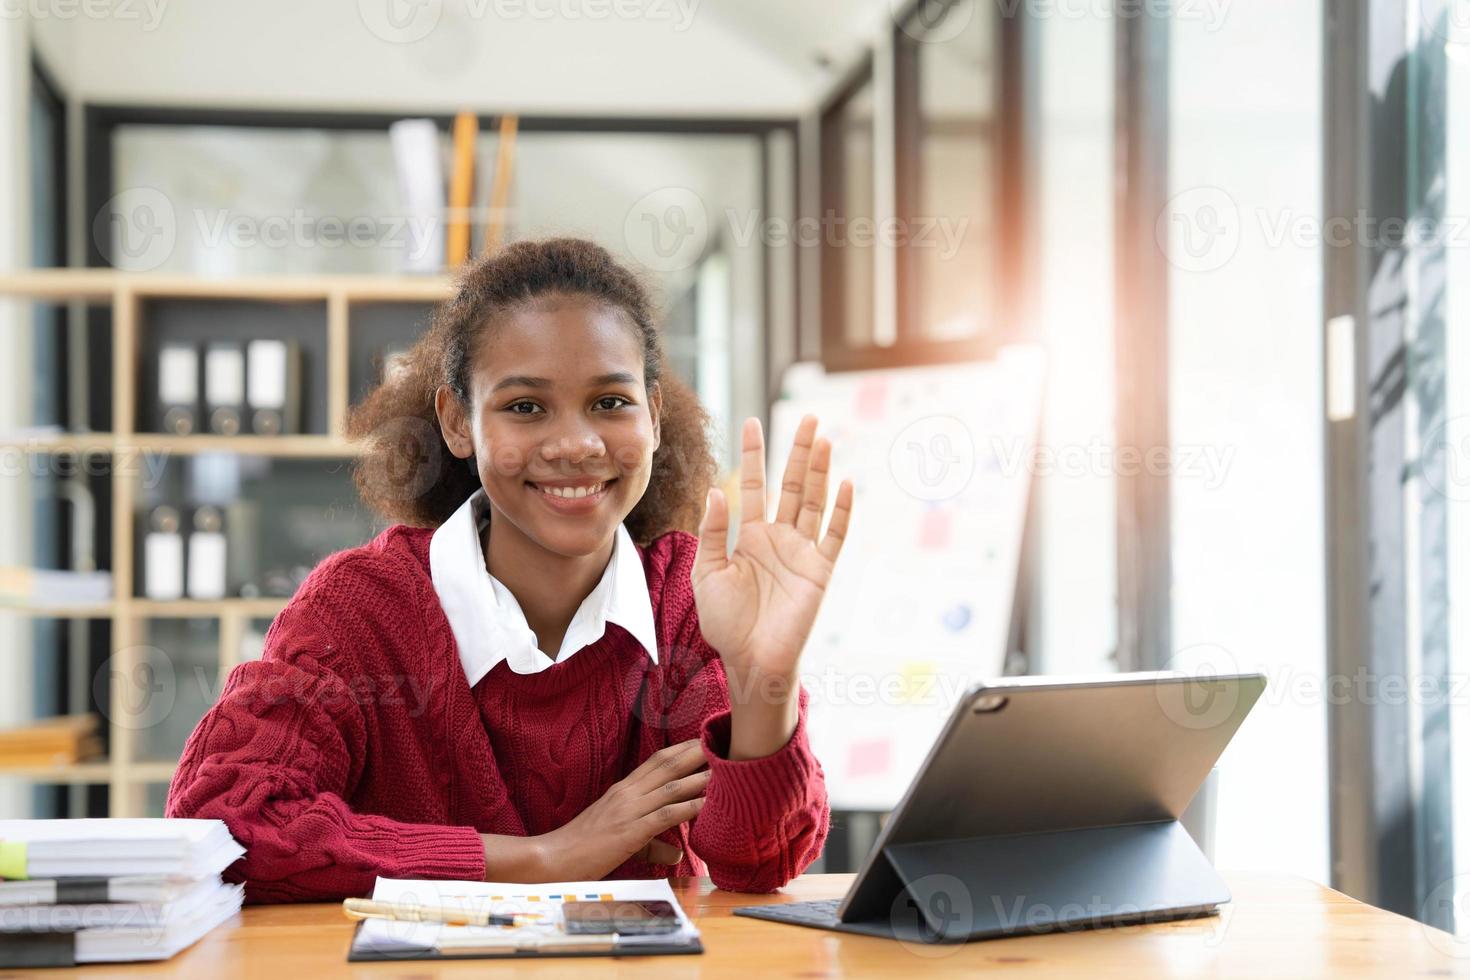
point(539, 674)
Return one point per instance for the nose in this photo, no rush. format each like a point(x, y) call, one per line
point(572, 445)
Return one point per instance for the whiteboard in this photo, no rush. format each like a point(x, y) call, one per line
point(920, 604)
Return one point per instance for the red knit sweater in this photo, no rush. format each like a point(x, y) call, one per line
point(357, 748)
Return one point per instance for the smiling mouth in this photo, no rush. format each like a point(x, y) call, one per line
point(572, 493)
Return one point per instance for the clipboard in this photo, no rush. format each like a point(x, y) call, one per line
point(357, 955)
point(379, 940)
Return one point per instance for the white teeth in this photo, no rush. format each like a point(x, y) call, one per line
point(572, 491)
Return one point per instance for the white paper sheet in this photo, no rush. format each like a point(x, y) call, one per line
point(504, 898)
point(115, 848)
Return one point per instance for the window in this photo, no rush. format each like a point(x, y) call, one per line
point(848, 201)
point(925, 242)
point(949, 194)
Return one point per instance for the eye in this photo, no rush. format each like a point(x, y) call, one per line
point(618, 402)
point(516, 408)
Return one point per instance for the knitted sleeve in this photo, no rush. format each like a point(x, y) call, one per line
point(274, 759)
point(764, 820)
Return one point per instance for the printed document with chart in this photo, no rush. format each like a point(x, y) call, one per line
point(389, 939)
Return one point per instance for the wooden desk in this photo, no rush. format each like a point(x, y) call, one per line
point(1276, 927)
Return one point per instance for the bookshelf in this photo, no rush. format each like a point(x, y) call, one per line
point(127, 294)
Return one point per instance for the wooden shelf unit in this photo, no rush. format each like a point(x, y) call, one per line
point(90, 773)
point(123, 772)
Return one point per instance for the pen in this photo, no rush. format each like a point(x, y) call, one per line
point(364, 908)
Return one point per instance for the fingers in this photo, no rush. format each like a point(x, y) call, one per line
point(831, 543)
point(660, 852)
point(794, 481)
point(814, 492)
point(752, 473)
point(667, 764)
point(678, 791)
point(671, 815)
point(688, 787)
point(714, 533)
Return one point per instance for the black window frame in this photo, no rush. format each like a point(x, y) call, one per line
point(1011, 192)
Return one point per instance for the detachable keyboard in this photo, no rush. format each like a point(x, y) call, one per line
point(821, 914)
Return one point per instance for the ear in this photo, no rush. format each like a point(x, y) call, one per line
point(453, 423)
point(655, 408)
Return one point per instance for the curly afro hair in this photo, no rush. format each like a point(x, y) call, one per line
point(406, 472)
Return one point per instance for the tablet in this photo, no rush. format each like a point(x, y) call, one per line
point(1046, 803)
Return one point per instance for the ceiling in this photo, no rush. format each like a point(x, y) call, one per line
point(666, 57)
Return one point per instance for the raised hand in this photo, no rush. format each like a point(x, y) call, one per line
point(757, 604)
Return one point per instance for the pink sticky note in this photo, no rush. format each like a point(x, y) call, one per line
point(872, 397)
point(872, 757)
point(935, 528)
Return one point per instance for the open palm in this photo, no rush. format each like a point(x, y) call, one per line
point(757, 604)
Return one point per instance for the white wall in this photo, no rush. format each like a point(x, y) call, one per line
point(1246, 372)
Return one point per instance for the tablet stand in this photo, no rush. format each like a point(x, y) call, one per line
point(988, 887)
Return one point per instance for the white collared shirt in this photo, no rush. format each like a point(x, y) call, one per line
point(487, 621)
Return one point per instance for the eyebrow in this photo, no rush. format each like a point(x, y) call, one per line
point(526, 381)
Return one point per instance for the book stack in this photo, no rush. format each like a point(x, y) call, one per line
point(111, 891)
point(50, 742)
point(49, 587)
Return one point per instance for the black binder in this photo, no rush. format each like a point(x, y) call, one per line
point(36, 950)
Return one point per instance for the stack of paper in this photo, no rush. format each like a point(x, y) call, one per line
point(50, 742)
point(389, 939)
point(102, 891)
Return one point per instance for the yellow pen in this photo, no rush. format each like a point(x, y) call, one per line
point(366, 908)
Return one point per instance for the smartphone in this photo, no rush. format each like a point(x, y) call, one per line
point(628, 918)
